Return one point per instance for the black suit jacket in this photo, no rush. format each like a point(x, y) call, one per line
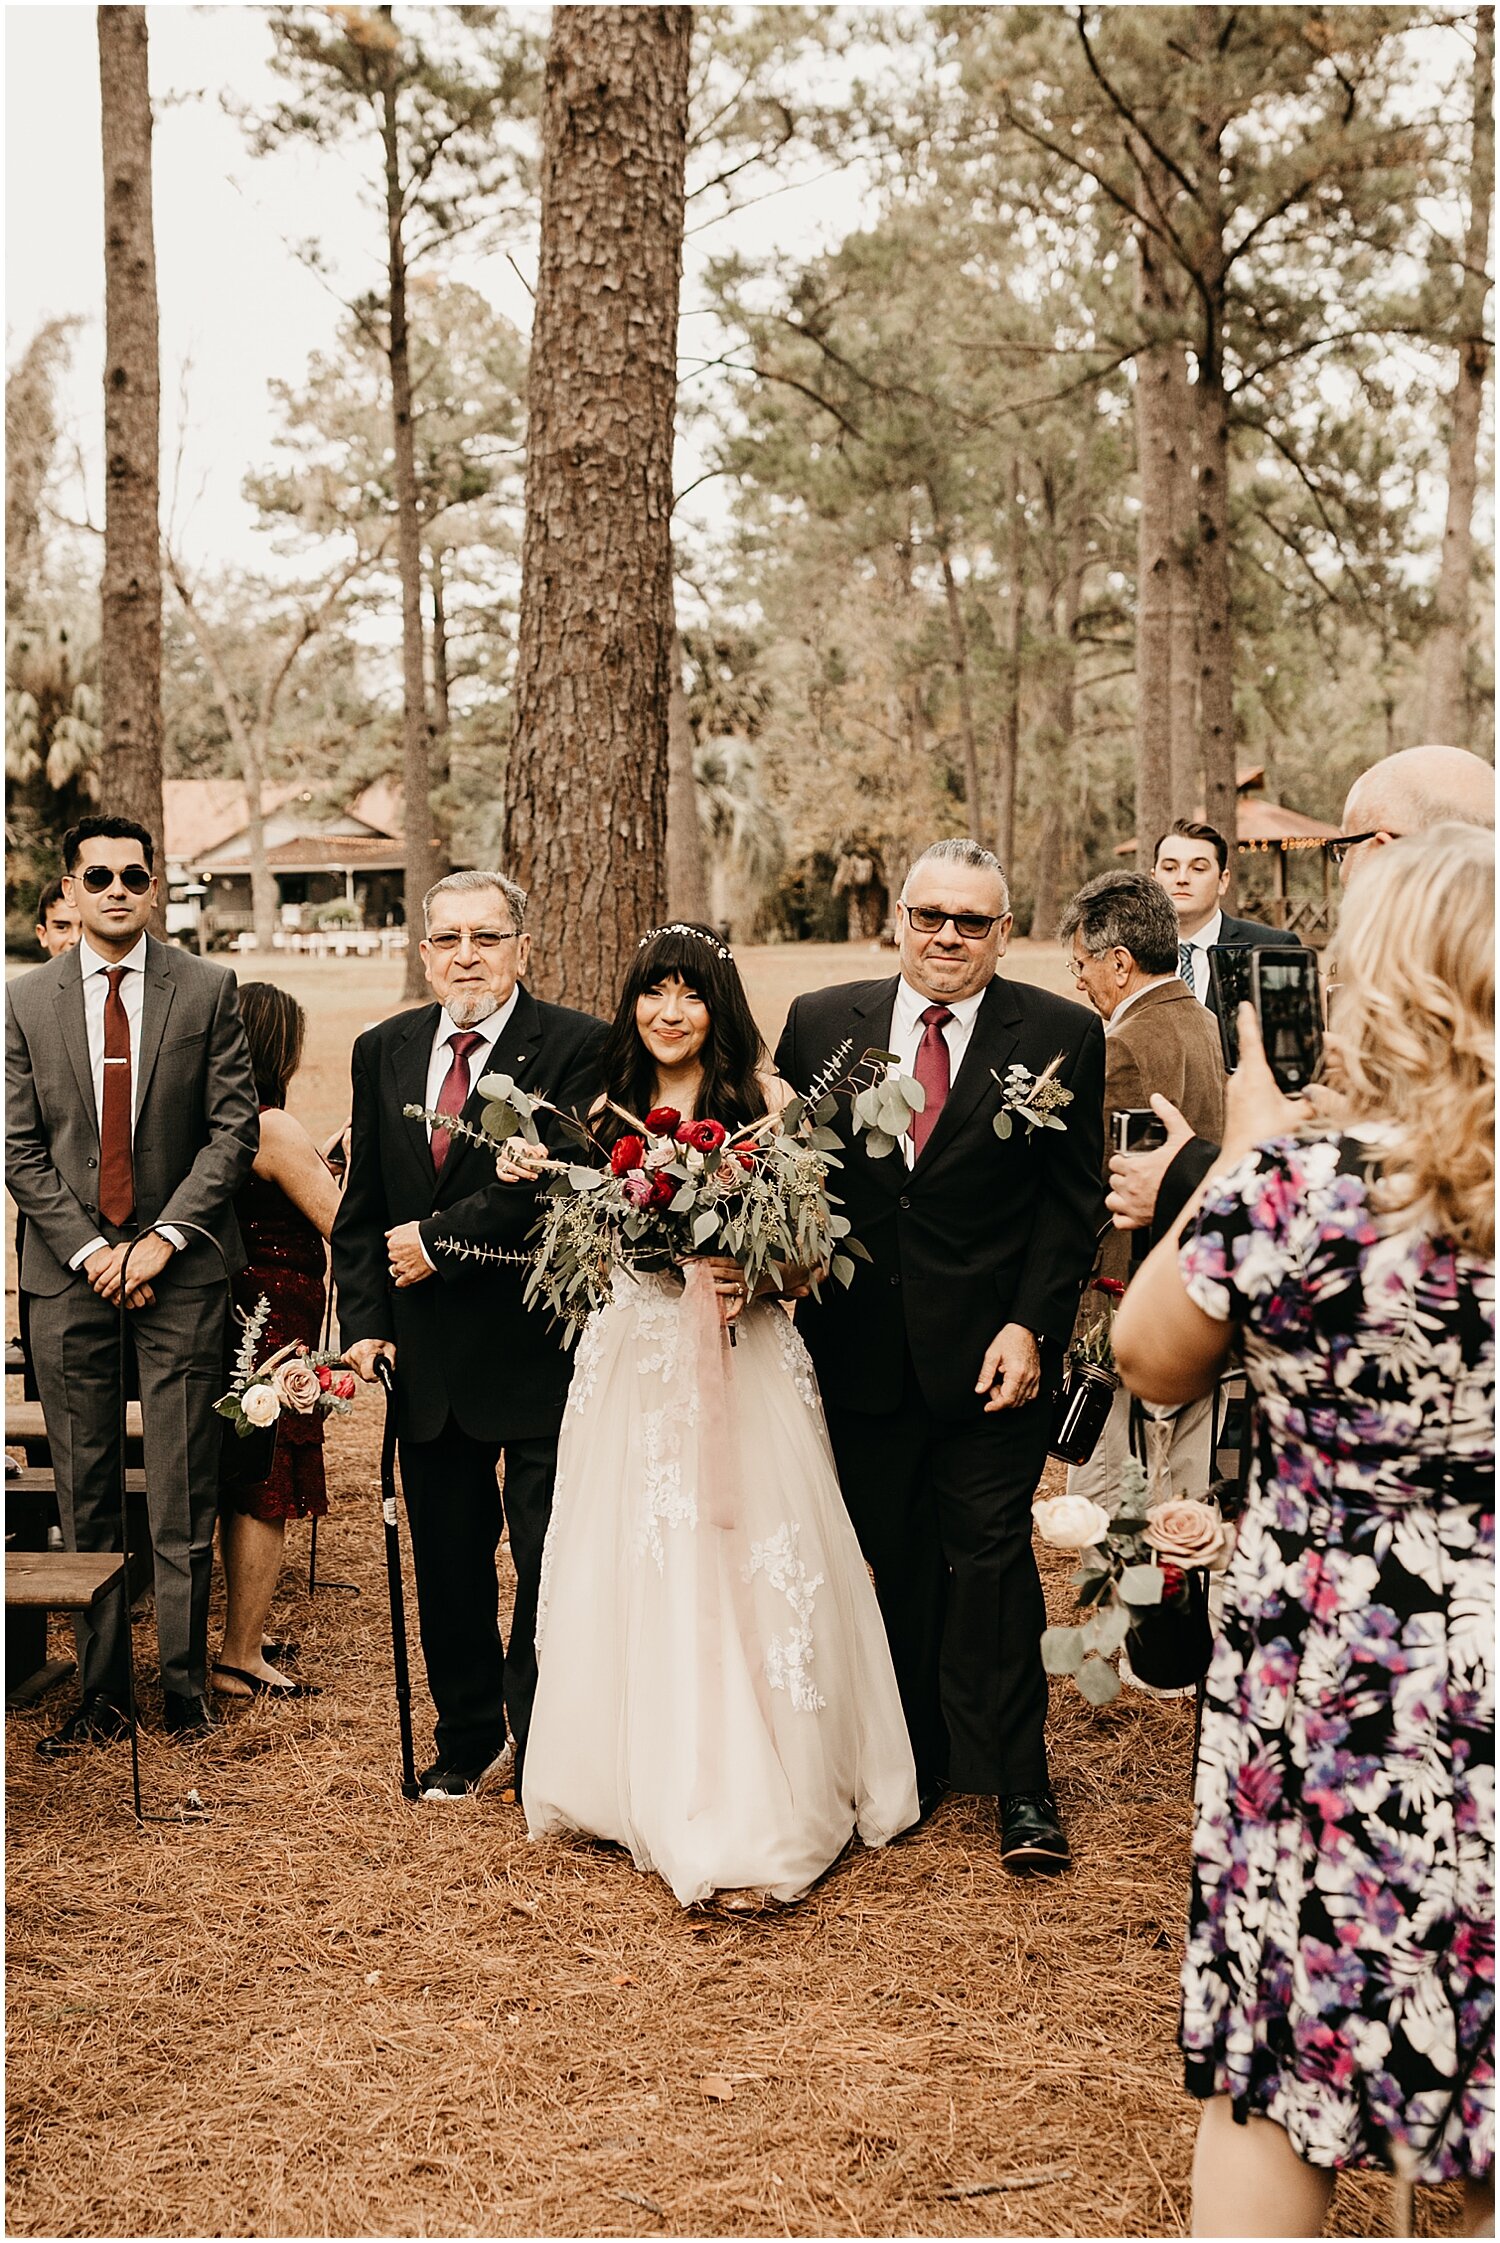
point(464, 1338)
point(980, 1233)
point(1248, 934)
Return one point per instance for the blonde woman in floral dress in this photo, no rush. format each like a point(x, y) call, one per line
point(1338, 1987)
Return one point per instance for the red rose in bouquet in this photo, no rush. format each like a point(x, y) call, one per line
point(325, 1377)
point(702, 1136)
point(663, 1189)
point(628, 1153)
point(662, 1121)
point(1173, 1581)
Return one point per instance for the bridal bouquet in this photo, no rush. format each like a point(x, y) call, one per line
point(1134, 1558)
point(670, 1190)
point(295, 1378)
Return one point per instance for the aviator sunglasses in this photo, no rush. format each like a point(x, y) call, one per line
point(97, 877)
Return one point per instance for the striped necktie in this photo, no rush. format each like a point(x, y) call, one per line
point(1185, 965)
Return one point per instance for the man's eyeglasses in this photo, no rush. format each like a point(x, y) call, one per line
point(487, 940)
point(1340, 848)
point(97, 877)
point(973, 926)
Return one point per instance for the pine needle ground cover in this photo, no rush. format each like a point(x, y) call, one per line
point(323, 2011)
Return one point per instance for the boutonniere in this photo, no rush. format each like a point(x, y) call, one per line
point(1037, 1100)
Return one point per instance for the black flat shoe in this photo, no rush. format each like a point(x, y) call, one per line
point(98, 1721)
point(186, 1718)
point(257, 1686)
point(1032, 1843)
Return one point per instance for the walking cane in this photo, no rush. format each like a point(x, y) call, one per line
point(387, 1378)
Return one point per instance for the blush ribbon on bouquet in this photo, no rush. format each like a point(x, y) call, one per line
point(710, 1365)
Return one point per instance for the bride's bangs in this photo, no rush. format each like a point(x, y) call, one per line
point(675, 956)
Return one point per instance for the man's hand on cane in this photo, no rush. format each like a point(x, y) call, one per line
point(365, 1354)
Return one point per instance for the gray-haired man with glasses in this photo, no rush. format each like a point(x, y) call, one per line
point(936, 1366)
point(477, 1373)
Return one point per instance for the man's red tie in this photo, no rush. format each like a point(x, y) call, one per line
point(933, 1072)
point(116, 1167)
point(454, 1095)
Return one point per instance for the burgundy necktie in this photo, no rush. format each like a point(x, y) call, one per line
point(116, 1168)
point(932, 1072)
point(454, 1095)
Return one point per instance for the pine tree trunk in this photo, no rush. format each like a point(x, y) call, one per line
point(687, 867)
point(421, 857)
point(1445, 722)
point(1182, 597)
point(1154, 398)
point(1044, 909)
point(1215, 615)
point(265, 896)
point(1008, 745)
point(958, 649)
point(130, 637)
point(439, 752)
point(586, 781)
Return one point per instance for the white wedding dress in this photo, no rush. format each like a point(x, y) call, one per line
point(715, 1691)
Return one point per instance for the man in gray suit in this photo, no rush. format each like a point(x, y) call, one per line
point(130, 1108)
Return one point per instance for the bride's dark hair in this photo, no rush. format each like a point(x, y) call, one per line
point(733, 1054)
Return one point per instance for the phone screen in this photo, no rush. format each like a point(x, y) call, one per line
point(1286, 998)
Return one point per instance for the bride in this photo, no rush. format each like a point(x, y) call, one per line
point(715, 1690)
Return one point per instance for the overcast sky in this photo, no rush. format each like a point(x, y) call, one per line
point(237, 307)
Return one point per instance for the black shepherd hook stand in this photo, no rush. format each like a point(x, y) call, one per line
point(347, 1588)
point(130, 1697)
point(387, 1377)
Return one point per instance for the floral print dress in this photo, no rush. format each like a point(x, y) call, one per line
point(1339, 1973)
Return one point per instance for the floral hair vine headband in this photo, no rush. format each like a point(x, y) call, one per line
point(677, 928)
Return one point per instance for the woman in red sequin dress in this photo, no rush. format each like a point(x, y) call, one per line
point(286, 1212)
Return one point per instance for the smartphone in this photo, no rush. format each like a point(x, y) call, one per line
point(1282, 984)
point(1136, 1129)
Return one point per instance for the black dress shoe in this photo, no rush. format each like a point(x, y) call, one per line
point(1032, 1843)
point(98, 1721)
point(929, 1799)
point(186, 1717)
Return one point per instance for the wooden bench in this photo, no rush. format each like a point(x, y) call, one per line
point(26, 1428)
point(30, 1509)
point(41, 1581)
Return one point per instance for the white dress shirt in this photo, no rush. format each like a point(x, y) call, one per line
point(1200, 945)
point(133, 997)
point(907, 1032)
point(1122, 1008)
point(442, 1059)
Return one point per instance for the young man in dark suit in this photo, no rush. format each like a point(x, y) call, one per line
point(937, 1365)
point(1192, 864)
point(130, 1108)
point(477, 1372)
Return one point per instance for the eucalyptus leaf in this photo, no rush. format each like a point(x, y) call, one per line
point(1062, 1650)
point(881, 1059)
point(705, 1225)
point(585, 1179)
point(1141, 1584)
point(500, 1121)
point(825, 1111)
point(825, 1140)
point(842, 1269)
point(1097, 1679)
point(1002, 1126)
point(879, 1143)
point(1108, 1629)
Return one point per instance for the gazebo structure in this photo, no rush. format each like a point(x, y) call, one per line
point(1270, 833)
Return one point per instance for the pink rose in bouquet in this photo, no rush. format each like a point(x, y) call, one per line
point(298, 1386)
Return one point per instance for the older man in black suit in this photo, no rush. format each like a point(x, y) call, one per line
point(937, 1366)
point(477, 1372)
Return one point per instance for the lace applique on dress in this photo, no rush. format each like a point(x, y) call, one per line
point(789, 1657)
point(795, 1360)
point(665, 1499)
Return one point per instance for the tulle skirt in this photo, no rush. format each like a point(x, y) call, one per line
point(715, 1691)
